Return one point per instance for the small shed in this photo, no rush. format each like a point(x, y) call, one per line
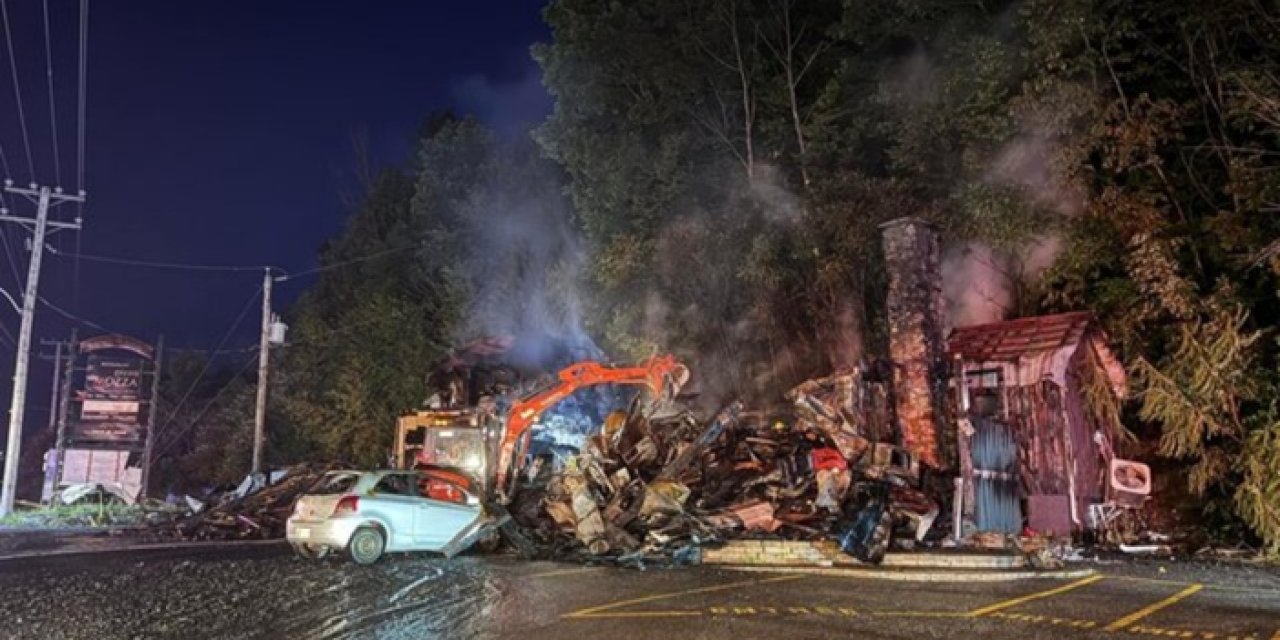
point(1038, 411)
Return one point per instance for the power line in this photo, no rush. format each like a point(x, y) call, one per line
point(177, 436)
point(344, 263)
point(8, 253)
point(8, 337)
point(182, 266)
point(4, 164)
point(81, 124)
point(53, 112)
point(17, 87)
point(82, 93)
point(73, 317)
point(155, 264)
point(209, 362)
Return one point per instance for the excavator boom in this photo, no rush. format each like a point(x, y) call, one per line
point(662, 375)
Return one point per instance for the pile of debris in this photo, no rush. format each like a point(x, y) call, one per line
point(657, 483)
point(255, 510)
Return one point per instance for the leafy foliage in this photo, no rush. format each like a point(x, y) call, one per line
point(1111, 156)
point(715, 174)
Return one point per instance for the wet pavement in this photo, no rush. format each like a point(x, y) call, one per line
point(264, 592)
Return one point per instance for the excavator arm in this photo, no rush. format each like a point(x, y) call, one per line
point(662, 375)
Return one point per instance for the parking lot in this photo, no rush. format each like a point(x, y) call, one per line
point(264, 592)
point(797, 605)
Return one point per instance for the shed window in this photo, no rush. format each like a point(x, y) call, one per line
point(985, 398)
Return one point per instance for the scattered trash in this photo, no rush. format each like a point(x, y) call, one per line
point(253, 510)
point(655, 482)
point(1146, 549)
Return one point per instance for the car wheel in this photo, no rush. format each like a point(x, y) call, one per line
point(310, 551)
point(366, 545)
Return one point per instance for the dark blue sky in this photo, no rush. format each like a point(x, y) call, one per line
point(221, 132)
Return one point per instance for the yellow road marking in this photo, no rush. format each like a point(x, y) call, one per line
point(1152, 608)
point(919, 614)
point(1013, 602)
point(565, 572)
point(632, 614)
point(600, 611)
point(1215, 587)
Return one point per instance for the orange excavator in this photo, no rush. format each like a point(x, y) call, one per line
point(662, 375)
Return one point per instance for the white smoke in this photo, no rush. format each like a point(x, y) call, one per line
point(979, 282)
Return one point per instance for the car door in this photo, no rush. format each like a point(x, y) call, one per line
point(394, 502)
point(447, 509)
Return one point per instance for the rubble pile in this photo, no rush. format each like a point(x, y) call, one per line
point(655, 482)
point(254, 510)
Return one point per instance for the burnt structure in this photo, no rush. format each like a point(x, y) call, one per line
point(1035, 428)
point(917, 346)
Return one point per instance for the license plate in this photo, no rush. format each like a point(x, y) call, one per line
point(303, 533)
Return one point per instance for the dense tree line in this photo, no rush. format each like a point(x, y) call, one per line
point(730, 161)
point(713, 174)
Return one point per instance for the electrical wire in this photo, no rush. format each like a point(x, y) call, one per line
point(344, 263)
point(4, 164)
point(8, 253)
point(209, 362)
point(156, 264)
point(9, 340)
point(73, 317)
point(53, 111)
point(181, 266)
point(81, 124)
point(177, 436)
point(17, 88)
point(82, 93)
point(12, 302)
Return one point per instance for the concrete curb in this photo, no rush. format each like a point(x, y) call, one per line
point(922, 575)
point(56, 532)
point(826, 553)
point(154, 546)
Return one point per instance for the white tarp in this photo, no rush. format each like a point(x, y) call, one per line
point(107, 468)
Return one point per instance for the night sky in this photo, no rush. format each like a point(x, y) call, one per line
point(221, 133)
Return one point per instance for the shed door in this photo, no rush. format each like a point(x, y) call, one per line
point(995, 472)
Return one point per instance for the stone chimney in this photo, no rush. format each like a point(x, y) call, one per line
point(917, 342)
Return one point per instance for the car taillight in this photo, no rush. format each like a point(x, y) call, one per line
point(348, 504)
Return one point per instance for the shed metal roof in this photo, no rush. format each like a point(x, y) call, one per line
point(1010, 340)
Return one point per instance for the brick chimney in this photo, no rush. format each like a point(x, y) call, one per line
point(917, 341)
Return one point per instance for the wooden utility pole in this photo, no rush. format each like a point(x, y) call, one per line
point(55, 392)
point(264, 349)
point(64, 406)
point(56, 380)
point(43, 197)
point(147, 448)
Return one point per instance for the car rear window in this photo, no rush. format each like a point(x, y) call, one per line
point(398, 484)
point(335, 483)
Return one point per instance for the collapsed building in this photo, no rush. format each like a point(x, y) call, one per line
point(991, 429)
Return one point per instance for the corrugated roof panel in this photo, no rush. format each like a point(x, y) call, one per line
point(1014, 339)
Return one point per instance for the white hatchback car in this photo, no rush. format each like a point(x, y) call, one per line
point(369, 513)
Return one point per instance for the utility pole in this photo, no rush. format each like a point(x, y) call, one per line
point(57, 380)
point(43, 197)
point(147, 448)
point(64, 405)
point(264, 349)
point(55, 392)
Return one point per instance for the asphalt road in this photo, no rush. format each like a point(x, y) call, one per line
point(264, 592)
